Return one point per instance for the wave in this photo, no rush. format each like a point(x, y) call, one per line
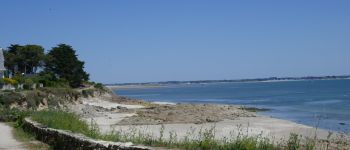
point(324, 102)
point(164, 103)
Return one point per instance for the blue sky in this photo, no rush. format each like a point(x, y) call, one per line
point(147, 40)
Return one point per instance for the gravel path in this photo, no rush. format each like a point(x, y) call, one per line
point(7, 141)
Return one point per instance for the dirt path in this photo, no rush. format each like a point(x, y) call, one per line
point(7, 141)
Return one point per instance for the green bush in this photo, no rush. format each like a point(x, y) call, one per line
point(10, 81)
point(20, 78)
point(49, 80)
point(28, 83)
point(293, 142)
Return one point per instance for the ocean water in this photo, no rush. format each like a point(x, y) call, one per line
point(319, 103)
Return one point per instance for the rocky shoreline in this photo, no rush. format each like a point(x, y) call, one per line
point(185, 113)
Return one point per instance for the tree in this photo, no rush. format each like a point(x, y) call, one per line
point(10, 56)
point(63, 62)
point(30, 57)
point(24, 59)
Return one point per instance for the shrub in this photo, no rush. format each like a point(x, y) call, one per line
point(50, 80)
point(293, 142)
point(10, 81)
point(28, 83)
point(19, 78)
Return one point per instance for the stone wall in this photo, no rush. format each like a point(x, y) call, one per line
point(65, 140)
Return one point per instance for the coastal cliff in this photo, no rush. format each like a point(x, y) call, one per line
point(45, 98)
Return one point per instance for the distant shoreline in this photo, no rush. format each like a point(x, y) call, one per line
point(270, 79)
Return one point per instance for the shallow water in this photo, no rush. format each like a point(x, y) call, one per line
point(321, 103)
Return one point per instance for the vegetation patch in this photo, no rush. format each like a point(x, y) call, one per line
point(31, 99)
point(11, 115)
point(9, 97)
point(88, 92)
point(65, 121)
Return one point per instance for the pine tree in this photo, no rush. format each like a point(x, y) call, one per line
point(63, 62)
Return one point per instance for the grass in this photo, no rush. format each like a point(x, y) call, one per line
point(65, 121)
point(205, 139)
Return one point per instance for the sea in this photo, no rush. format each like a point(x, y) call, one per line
point(319, 103)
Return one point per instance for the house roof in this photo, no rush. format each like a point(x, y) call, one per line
point(2, 60)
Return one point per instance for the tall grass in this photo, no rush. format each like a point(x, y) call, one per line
point(65, 121)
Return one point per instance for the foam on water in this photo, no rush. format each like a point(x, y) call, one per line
point(324, 102)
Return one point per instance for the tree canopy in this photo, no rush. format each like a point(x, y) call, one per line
point(63, 62)
point(60, 62)
point(24, 59)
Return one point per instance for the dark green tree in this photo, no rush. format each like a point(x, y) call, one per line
point(63, 62)
point(24, 59)
point(30, 57)
point(11, 59)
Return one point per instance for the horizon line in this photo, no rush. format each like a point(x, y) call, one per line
point(218, 80)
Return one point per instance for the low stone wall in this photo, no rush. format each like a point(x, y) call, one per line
point(65, 140)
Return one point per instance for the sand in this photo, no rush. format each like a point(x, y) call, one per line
point(108, 104)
